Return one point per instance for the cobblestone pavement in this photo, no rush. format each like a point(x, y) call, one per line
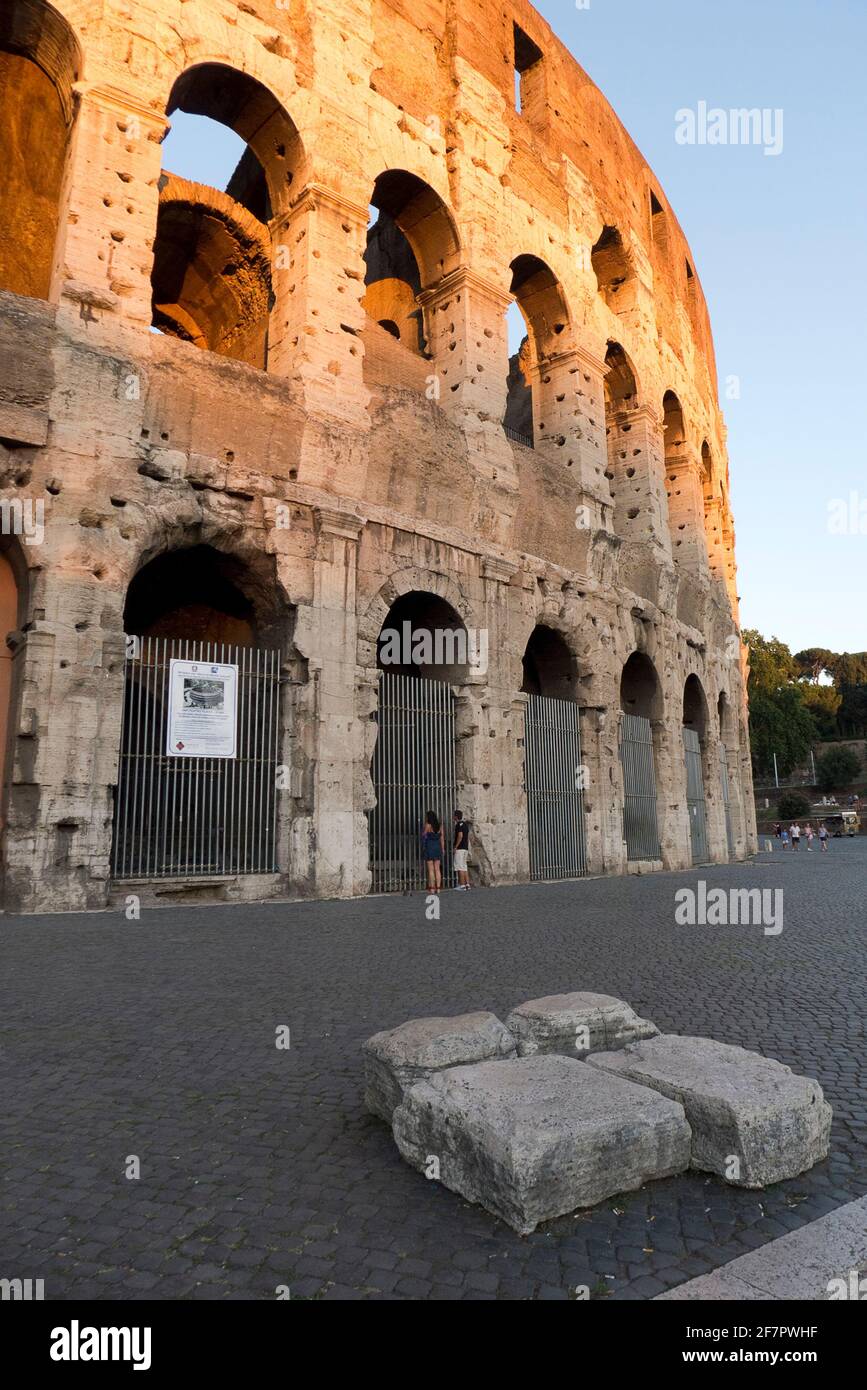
point(259, 1166)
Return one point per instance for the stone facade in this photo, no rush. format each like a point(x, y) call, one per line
point(331, 424)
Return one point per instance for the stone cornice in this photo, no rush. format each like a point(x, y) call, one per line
point(117, 99)
point(315, 195)
point(332, 522)
point(464, 278)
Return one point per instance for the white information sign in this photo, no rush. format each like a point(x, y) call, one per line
point(203, 707)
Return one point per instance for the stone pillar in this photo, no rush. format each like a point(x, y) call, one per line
point(603, 791)
point(326, 635)
point(467, 338)
point(65, 746)
point(490, 730)
point(569, 425)
point(314, 336)
point(684, 478)
point(113, 181)
point(636, 461)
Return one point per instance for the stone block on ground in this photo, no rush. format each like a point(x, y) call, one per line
point(565, 1022)
point(397, 1058)
point(739, 1104)
point(537, 1137)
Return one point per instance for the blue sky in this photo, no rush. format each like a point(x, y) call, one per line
point(778, 243)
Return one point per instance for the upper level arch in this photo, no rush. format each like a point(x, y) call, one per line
point(235, 99)
point(40, 62)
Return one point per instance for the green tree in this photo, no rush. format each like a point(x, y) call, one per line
point(823, 702)
point(837, 768)
point(780, 723)
point(792, 806)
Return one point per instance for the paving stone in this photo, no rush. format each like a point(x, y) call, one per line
point(191, 1003)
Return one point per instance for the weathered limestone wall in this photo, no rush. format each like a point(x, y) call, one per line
point(355, 468)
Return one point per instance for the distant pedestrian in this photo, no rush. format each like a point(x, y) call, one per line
point(433, 848)
point(795, 833)
point(823, 837)
point(785, 839)
point(461, 849)
point(778, 829)
point(808, 832)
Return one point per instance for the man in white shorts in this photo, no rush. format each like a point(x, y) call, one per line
point(461, 846)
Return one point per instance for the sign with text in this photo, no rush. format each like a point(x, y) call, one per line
point(203, 707)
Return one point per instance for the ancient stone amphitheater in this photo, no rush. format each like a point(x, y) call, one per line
point(262, 430)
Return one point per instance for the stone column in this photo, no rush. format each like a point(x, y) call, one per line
point(636, 459)
point(467, 338)
point(317, 320)
point(603, 792)
point(326, 635)
point(684, 478)
point(491, 740)
point(569, 426)
point(113, 182)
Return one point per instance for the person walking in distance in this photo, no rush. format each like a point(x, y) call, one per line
point(785, 839)
point(823, 837)
point(795, 832)
point(461, 847)
point(433, 849)
point(808, 831)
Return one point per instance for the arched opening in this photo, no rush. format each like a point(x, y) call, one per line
point(40, 62)
point(549, 668)
point(553, 766)
point(197, 780)
point(677, 491)
point(412, 244)
point(192, 594)
point(628, 483)
point(424, 638)
point(539, 300)
point(211, 276)
point(614, 274)
point(230, 160)
point(642, 712)
point(423, 648)
point(695, 730)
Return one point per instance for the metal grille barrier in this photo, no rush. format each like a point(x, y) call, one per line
point(555, 788)
point(192, 817)
point(413, 771)
point(640, 826)
point(695, 796)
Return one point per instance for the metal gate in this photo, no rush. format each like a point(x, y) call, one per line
point(177, 817)
point(640, 826)
point(413, 771)
point(695, 796)
point(727, 803)
point(555, 788)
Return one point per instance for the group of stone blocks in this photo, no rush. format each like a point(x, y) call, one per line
point(576, 1098)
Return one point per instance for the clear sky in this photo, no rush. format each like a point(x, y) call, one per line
point(779, 243)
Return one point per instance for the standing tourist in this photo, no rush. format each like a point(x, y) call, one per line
point(461, 846)
point(433, 849)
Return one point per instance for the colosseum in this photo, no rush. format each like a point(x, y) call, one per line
point(293, 550)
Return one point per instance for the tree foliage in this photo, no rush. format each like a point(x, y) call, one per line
point(837, 768)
